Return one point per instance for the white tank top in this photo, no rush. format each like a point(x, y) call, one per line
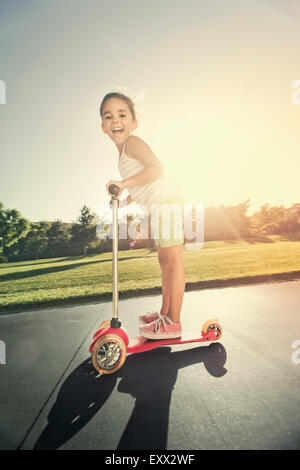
point(155, 192)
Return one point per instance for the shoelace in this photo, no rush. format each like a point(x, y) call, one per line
point(161, 319)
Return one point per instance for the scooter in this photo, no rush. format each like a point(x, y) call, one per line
point(111, 343)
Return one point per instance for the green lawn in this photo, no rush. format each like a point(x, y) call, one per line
point(60, 281)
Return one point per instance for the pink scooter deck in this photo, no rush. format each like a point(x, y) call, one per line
point(140, 344)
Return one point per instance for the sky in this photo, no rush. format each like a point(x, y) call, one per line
point(212, 82)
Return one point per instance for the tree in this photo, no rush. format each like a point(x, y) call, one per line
point(86, 217)
point(58, 239)
point(270, 228)
point(12, 227)
point(274, 220)
point(227, 222)
point(36, 240)
point(85, 232)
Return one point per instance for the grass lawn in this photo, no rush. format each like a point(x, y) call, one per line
point(59, 281)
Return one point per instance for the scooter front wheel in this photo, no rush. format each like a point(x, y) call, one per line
point(104, 324)
point(108, 354)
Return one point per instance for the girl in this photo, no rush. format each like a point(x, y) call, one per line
point(142, 175)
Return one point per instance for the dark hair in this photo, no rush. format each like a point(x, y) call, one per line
point(121, 97)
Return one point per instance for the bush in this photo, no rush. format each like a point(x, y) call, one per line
point(270, 228)
point(3, 259)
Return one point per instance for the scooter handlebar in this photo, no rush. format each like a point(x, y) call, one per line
point(113, 189)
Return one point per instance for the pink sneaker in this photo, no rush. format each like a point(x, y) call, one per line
point(149, 317)
point(162, 328)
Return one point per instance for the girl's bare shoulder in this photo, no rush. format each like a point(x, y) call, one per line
point(136, 146)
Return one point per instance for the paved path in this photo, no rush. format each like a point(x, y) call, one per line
point(240, 393)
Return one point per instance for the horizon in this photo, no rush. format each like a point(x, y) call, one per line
point(123, 213)
point(216, 89)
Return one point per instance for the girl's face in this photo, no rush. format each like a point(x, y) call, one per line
point(117, 121)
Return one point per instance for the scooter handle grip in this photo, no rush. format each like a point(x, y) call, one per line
point(113, 189)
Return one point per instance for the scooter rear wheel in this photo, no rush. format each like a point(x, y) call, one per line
point(108, 354)
point(212, 324)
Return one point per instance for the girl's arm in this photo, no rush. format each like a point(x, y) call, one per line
point(137, 148)
point(129, 200)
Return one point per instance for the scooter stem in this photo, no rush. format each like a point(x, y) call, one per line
point(115, 235)
point(114, 190)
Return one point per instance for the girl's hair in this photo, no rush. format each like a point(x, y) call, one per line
point(121, 97)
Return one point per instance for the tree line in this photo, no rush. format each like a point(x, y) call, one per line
point(22, 240)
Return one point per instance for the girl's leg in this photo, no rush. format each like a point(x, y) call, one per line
point(173, 285)
point(171, 260)
point(165, 287)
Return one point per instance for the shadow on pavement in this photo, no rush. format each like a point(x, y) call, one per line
point(31, 272)
point(149, 377)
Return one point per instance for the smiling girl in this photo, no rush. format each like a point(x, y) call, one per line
point(142, 175)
